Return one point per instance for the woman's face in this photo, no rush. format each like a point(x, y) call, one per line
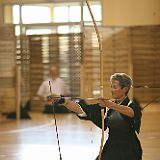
point(117, 91)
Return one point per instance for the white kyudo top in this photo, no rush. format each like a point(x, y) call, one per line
point(58, 87)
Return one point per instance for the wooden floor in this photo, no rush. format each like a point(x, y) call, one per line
point(35, 139)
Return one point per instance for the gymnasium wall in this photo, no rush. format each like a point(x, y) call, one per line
point(7, 69)
point(133, 50)
point(116, 12)
point(131, 12)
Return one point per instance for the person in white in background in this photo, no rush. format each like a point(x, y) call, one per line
point(58, 87)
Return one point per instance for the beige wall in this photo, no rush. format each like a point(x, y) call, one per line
point(23, 1)
point(7, 14)
point(131, 12)
point(118, 12)
point(1, 20)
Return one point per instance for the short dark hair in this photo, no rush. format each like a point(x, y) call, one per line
point(124, 80)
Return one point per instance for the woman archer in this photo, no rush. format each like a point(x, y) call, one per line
point(122, 118)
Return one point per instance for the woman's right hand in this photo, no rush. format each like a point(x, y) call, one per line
point(52, 99)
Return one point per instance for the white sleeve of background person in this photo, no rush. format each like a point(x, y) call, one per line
point(41, 90)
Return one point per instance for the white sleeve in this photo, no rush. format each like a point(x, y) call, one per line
point(82, 114)
point(41, 91)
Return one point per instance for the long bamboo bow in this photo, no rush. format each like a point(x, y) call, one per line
point(101, 75)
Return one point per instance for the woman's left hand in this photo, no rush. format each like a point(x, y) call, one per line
point(106, 103)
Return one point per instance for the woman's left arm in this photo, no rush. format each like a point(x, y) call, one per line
point(117, 107)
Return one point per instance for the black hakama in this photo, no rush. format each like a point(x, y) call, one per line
point(122, 143)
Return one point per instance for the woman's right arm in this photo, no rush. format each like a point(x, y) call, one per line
point(73, 106)
point(90, 112)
